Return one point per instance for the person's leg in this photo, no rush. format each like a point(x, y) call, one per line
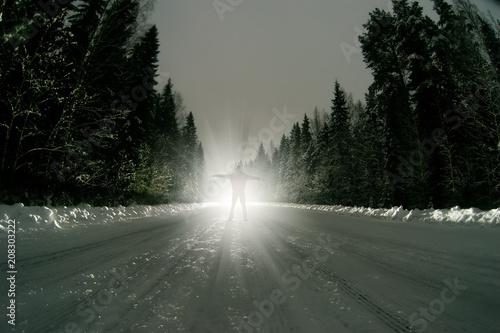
point(233, 203)
point(243, 205)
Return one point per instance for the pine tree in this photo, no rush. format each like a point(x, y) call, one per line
point(339, 124)
point(307, 146)
point(139, 134)
point(166, 119)
point(320, 167)
point(338, 157)
point(200, 172)
point(166, 137)
point(283, 171)
point(370, 150)
point(272, 179)
point(394, 49)
point(261, 161)
point(478, 112)
point(306, 136)
point(316, 123)
point(190, 167)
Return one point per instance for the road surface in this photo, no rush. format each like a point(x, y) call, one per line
point(284, 270)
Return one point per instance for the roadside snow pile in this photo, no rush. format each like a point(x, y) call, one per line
point(453, 215)
point(39, 218)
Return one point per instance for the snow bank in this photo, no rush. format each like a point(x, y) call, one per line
point(44, 218)
point(453, 215)
point(41, 218)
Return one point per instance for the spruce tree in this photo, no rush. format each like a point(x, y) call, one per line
point(339, 153)
point(190, 167)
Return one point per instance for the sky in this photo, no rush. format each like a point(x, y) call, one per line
point(249, 69)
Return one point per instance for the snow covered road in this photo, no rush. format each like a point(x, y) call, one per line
point(284, 270)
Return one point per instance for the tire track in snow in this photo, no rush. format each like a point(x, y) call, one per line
point(71, 252)
point(62, 312)
point(431, 284)
point(347, 285)
point(212, 296)
point(393, 321)
point(268, 246)
point(65, 312)
point(157, 295)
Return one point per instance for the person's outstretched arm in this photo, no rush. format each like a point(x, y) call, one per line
point(220, 176)
point(253, 177)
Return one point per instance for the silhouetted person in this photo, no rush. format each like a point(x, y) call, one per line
point(238, 180)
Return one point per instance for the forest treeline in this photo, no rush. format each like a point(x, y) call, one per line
point(81, 121)
point(80, 118)
point(428, 132)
